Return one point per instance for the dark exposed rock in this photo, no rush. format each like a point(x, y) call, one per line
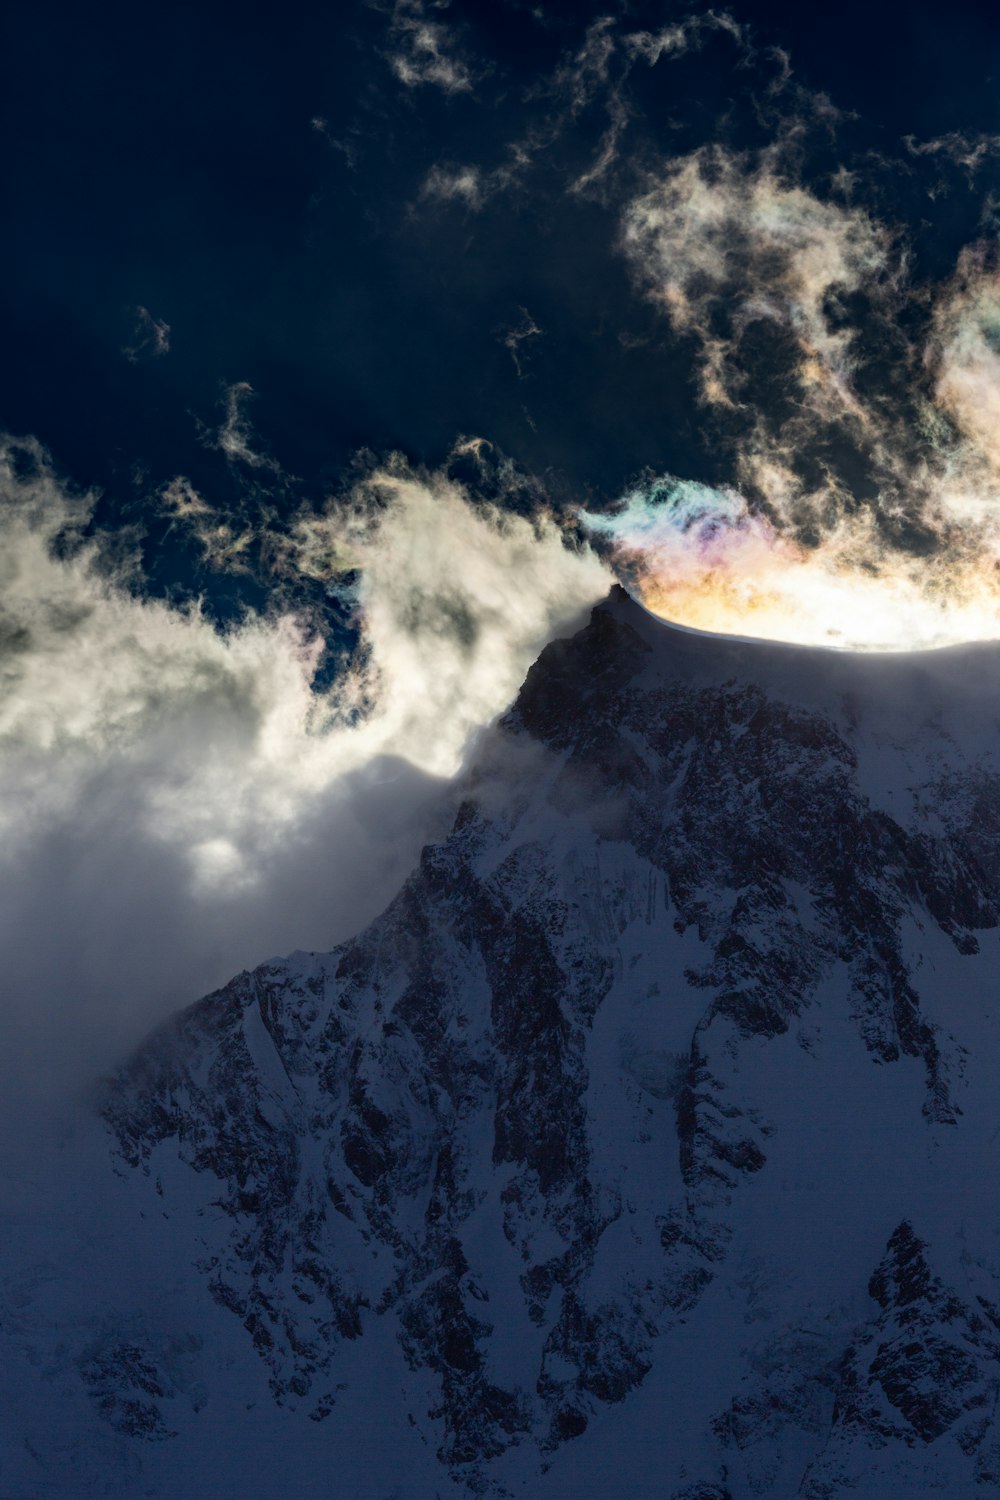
point(356, 1118)
point(927, 1368)
point(702, 1492)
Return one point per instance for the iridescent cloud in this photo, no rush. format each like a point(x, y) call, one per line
point(858, 408)
point(700, 558)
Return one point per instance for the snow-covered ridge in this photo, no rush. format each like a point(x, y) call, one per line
point(638, 1149)
point(965, 678)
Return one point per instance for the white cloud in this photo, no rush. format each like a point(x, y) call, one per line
point(684, 36)
point(450, 184)
point(718, 229)
point(870, 509)
point(968, 151)
point(235, 435)
point(423, 50)
point(177, 801)
point(456, 599)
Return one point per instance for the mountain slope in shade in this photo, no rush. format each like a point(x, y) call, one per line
point(644, 1146)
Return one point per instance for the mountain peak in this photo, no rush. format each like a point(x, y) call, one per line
point(537, 1155)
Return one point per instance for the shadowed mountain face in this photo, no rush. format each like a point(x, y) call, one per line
point(643, 1147)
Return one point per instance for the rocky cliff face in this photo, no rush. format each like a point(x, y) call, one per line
point(643, 1147)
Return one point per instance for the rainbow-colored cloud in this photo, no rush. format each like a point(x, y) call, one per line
point(699, 557)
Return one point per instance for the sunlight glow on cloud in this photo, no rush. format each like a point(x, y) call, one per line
point(223, 733)
point(179, 800)
point(456, 601)
point(860, 412)
point(698, 557)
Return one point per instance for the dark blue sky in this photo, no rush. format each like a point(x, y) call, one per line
point(165, 157)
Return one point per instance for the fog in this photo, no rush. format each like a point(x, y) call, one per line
point(179, 802)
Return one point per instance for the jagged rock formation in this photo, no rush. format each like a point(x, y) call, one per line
point(641, 1148)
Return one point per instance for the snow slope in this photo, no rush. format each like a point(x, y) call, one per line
point(644, 1146)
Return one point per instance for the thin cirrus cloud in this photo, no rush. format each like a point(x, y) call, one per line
point(423, 50)
point(516, 338)
point(854, 405)
point(594, 72)
point(969, 151)
point(178, 801)
point(448, 183)
point(150, 338)
point(235, 435)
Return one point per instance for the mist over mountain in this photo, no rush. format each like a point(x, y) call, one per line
point(363, 360)
point(640, 1147)
point(623, 1120)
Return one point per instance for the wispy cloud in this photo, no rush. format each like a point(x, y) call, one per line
point(593, 74)
point(723, 242)
point(598, 72)
point(347, 147)
point(518, 334)
point(456, 184)
point(585, 71)
point(150, 337)
point(176, 799)
point(235, 436)
point(785, 297)
point(224, 542)
point(865, 460)
point(424, 50)
point(686, 35)
point(969, 151)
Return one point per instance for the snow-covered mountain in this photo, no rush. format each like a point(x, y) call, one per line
point(644, 1148)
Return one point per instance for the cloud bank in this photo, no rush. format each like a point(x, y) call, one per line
point(179, 801)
